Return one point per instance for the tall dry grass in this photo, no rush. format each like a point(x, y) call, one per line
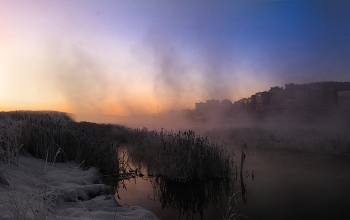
point(33, 206)
point(42, 134)
point(181, 156)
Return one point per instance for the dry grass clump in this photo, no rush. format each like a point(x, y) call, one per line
point(23, 206)
point(9, 144)
point(181, 156)
point(38, 202)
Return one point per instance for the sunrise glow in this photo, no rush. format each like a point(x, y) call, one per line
point(133, 57)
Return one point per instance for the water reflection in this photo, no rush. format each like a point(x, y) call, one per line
point(201, 199)
point(283, 185)
point(243, 189)
point(187, 199)
point(191, 200)
point(193, 197)
point(241, 180)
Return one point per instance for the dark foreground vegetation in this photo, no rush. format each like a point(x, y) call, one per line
point(56, 137)
point(177, 156)
point(181, 156)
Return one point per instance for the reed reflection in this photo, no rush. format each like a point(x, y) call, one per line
point(241, 179)
point(189, 199)
point(193, 197)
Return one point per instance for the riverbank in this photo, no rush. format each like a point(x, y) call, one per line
point(34, 189)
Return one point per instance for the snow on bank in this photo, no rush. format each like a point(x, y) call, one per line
point(61, 191)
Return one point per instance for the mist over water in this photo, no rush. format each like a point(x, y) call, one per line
point(302, 185)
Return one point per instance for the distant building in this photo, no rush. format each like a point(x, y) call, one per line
point(262, 100)
point(226, 106)
point(201, 108)
point(252, 103)
point(299, 100)
point(213, 105)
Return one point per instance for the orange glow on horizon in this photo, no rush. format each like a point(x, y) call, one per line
point(137, 106)
point(43, 108)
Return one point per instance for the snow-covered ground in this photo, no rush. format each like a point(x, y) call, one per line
point(35, 189)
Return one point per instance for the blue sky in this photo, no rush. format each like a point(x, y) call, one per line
point(129, 57)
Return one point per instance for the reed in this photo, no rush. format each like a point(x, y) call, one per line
point(42, 134)
point(181, 156)
point(232, 211)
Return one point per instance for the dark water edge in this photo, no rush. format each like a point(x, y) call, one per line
point(286, 185)
point(296, 185)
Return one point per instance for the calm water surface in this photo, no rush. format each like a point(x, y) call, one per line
point(285, 185)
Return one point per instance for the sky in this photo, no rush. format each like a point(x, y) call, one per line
point(131, 57)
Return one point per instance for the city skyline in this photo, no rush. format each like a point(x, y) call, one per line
point(132, 57)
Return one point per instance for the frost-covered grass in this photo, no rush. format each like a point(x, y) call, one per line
point(44, 188)
point(42, 134)
point(33, 188)
point(181, 156)
point(41, 190)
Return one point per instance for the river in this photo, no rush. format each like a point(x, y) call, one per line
point(275, 184)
